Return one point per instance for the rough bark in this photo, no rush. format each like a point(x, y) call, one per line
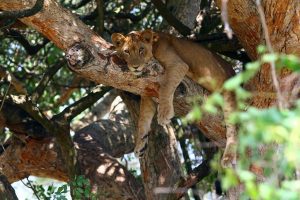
point(185, 10)
point(94, 154)
point(160, 166)
point(7, 192)
point(282, 18)
point(100, 65)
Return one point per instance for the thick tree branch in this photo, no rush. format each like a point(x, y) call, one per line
point(23, 102)
point(171, 19)
point(20, 122)
point(284, 37)
point(94, 147)
point(103, 107)
point(23, 13)
point(161, 166)
point(60, 129)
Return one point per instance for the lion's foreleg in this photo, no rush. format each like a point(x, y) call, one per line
point(147, 111)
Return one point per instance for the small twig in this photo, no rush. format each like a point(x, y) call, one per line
point(2, 147)
point(51, 71)
point(30, 186)
point(24, 103)
point(76, 108)
point(6, 92)
point(18, 85)
point(270, 49)
point(186, 183)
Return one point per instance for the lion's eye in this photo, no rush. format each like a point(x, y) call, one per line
point(126, 51)
point(141, 50)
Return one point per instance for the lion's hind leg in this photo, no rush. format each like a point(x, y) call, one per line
point(230, 152)
point(175, 70)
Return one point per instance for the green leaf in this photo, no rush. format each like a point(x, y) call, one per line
point(266, 191)
point(62, 189)
point(229, 180)
point(233, 82)
point(80, 190)
point(246, 175)
point(261, 49)
point(290, 61)
point(270, 57)
point(194, 115)
point(253, 66)
point(87, 193)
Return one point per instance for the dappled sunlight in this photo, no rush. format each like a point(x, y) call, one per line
point(120, 179)
point(88, 138)
point(51, 145)
point(103, 168)
point(161, 179)
point(111, 171)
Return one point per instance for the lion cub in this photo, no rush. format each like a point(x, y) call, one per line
point(179, 57)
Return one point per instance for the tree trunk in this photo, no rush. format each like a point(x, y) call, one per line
point(160, 166)
point(7, 192)
point(282, 18)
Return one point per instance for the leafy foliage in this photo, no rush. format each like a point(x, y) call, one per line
point(50, 192)
point(269, 139)
point(81, 190)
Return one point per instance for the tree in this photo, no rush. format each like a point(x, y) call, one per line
point(43, 145)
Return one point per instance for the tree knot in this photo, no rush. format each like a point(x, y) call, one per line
point(78, 55)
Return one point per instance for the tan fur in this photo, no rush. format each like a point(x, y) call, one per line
point(179, 57)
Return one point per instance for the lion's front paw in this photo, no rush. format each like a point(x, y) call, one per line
point(229, 155)
point(141, 146)
point(165, 113)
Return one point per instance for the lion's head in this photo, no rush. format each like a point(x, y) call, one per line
point(135, 48)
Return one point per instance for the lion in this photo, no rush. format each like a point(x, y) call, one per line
point(179, 57)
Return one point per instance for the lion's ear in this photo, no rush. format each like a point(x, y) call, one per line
point(147, 36)
point(117, 39)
